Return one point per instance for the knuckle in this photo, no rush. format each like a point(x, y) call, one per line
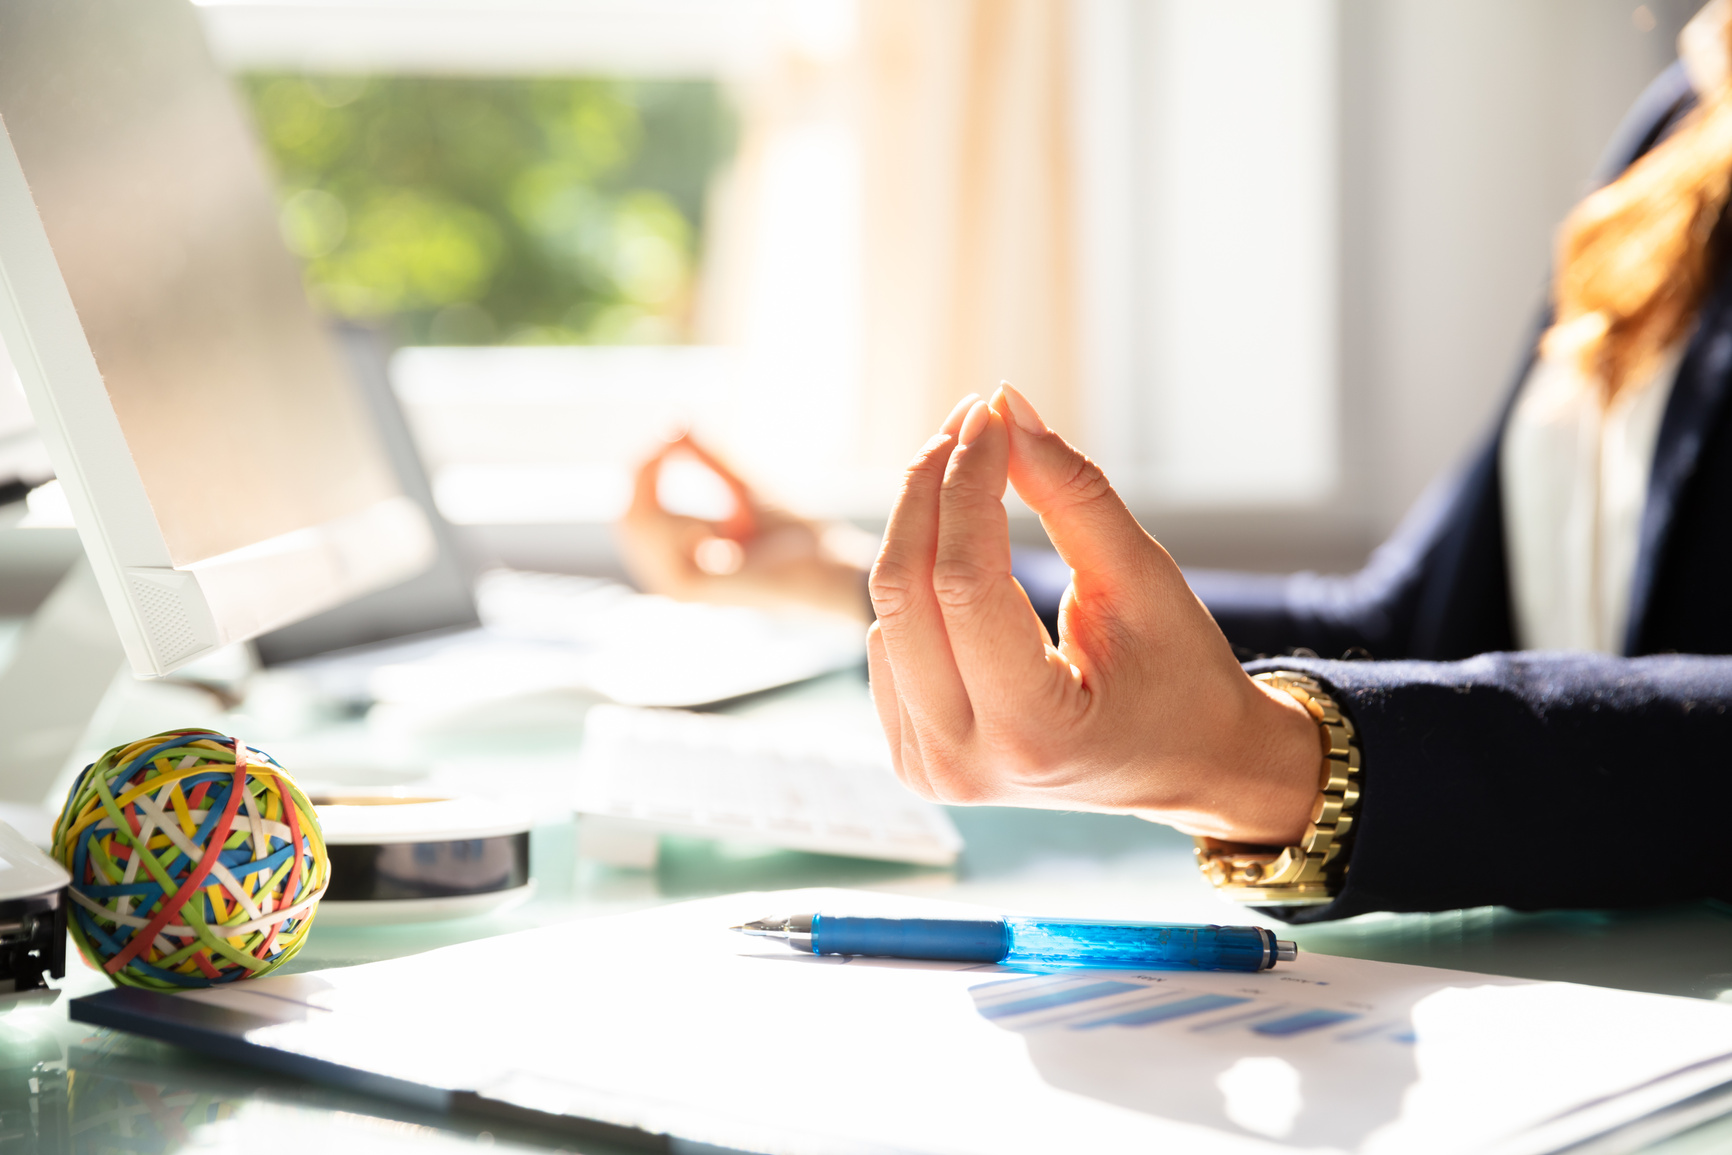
point(953, 778)
point(959, 582)
point(920, 787)
point(1082, 483)
point(891, 586)
point(969, 487)
point(911, 768)
point(919, 484)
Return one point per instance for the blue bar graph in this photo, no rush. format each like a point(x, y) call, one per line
point(1239, 1020)
point(1387, 1031)
point(997, 983)
point(1146, 1004)
point(1059, 998)
point(1162, 1012)
point(1303, 1021)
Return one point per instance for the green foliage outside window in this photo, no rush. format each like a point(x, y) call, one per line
point(475, 211)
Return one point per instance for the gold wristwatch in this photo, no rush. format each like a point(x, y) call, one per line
point(1312, 871)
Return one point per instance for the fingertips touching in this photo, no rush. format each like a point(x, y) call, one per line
point(979, 464)
point(1032, 442)
point(954, 422)
point(1017, 408)
point(974, 423)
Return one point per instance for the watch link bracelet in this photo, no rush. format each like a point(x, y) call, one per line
point(1310, 872)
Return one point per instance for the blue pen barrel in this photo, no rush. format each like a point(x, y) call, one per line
point(952, 939)
point(1049, 942)
point(1139, 944)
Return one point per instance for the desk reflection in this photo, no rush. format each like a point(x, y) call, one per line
point(1276, 1060)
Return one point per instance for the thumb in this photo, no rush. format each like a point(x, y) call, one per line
point(1088, 523)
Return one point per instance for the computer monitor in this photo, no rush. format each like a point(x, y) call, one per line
point(222, 471)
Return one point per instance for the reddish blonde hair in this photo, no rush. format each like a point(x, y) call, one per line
point(1634, 259)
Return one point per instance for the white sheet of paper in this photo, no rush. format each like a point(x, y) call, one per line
point(666, 1021)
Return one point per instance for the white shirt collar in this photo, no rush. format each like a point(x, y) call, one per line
point(1702, 48)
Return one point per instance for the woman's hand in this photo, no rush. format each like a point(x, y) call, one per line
point(759, 555)
point(1141, 708)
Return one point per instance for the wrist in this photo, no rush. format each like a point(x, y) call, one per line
point(1311, 869)
point(1254, 782)
point(1278, 769)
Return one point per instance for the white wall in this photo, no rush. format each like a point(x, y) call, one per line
point(1469, 128)
point(1395, 185)
point(1208, 148)
point(1240, 322)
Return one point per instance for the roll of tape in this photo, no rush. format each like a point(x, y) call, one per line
point(404, 859)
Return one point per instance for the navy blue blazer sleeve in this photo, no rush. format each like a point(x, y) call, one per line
point(1434, 589)
point(1520, 780)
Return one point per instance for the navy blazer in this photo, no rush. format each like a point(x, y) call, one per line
point(1528, 780)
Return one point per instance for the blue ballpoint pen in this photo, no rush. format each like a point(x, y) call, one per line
point(1034, 941)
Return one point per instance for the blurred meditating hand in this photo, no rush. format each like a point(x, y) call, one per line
point(758, 555)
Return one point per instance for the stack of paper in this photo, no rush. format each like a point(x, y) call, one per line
point(666, 1022)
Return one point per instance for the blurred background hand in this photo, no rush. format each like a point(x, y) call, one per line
point(757, 555)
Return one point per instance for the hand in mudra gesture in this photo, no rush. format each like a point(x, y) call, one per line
point(1141, 708)
point(759, 555)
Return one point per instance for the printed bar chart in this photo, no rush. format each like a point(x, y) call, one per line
point(1059, 998)
point(1073, 1003)
point(1165, 1011)
point(1303, 1021)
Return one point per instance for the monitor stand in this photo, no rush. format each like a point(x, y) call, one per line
point(67, 657)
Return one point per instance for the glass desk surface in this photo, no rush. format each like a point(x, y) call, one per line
point(67, 1088)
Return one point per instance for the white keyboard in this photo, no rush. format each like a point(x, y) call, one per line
point(644, 650)
point(718, 776)
point(545, 632)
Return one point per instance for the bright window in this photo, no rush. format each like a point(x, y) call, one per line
point(513, 210)
point(547, 172)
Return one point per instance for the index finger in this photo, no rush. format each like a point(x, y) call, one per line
point(1088, 523)
point(999, 645)
point(909, 620)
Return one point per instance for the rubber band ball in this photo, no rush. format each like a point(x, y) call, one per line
point(195, 861)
